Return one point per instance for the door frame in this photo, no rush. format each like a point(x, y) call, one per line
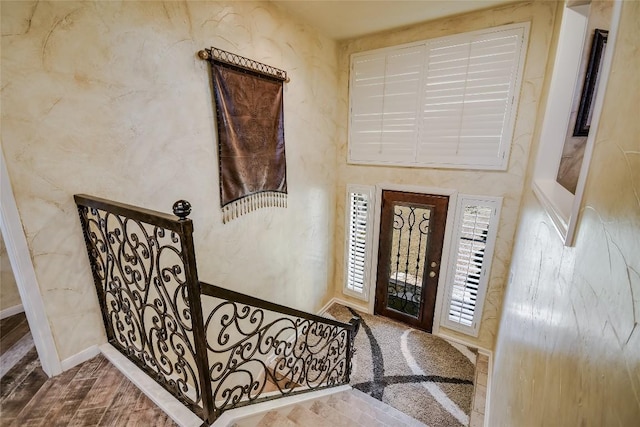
point(446, 246)
point(22, 266)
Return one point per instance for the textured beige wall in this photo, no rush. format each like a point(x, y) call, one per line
point(9, 296)
point(568, 351)
point(507, 184)
point(109, 98)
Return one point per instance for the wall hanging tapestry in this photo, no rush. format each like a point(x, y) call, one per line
point(248, 98)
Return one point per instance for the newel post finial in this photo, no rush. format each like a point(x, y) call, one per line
point(182, 209)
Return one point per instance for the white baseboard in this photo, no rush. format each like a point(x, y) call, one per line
point(326, 307)
point(161, 397)
point(486, 352)
point(464, 342)
point(10, 311)
point(332, 301)
point(79, 358)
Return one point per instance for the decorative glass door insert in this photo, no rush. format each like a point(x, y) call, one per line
point(410, 248)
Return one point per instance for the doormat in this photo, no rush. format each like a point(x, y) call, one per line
point(422, 375)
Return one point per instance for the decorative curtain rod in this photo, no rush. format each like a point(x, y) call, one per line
point(215, 54)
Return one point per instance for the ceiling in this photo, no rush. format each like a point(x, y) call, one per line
point(346, 19)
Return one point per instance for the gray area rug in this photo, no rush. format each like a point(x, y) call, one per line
point(417, 373)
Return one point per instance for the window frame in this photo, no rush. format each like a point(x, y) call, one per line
point(369, 191)
point(461, 162)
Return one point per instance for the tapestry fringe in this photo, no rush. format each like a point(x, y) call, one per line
point(251, 203)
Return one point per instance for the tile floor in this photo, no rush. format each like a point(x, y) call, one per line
point(480, 396)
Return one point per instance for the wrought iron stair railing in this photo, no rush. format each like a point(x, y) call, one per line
point(212, 348)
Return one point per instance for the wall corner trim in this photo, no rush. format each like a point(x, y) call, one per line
point(20, 258)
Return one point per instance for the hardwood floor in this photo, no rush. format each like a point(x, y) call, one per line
point(91, 394)
point(11, 330)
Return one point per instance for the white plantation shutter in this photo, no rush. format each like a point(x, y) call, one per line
point(385, 97)
point(358, 242)
point(472, 251)
point(446, 102)
point(470, 85)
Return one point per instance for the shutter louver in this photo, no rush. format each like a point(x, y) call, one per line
point(359, 206)
point(476, 224)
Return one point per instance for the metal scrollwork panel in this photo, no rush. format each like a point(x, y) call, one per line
point(140, 278)
point(410, 240)
point(256, 354)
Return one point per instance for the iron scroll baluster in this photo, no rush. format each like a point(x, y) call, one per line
point(143, 267)
point(159, 315)
point(182, 209)
point(355, 327)
point(308, 352)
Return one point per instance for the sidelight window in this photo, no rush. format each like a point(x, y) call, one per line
point(476, 224)
point(358, 250)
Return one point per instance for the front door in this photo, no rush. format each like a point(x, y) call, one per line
point(409, 252)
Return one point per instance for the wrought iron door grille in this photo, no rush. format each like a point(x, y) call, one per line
point(410, 239)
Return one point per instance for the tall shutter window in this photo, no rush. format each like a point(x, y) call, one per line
point(446, 102)
point(358, 242)
point(476, 225)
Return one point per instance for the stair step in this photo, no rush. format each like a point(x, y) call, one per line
point(370, 410)
point(336, 418)
point(304, 417)
point(354, 414)
point(351, 408)
point(381, 411)
point(351, 400)
point(275, 419)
